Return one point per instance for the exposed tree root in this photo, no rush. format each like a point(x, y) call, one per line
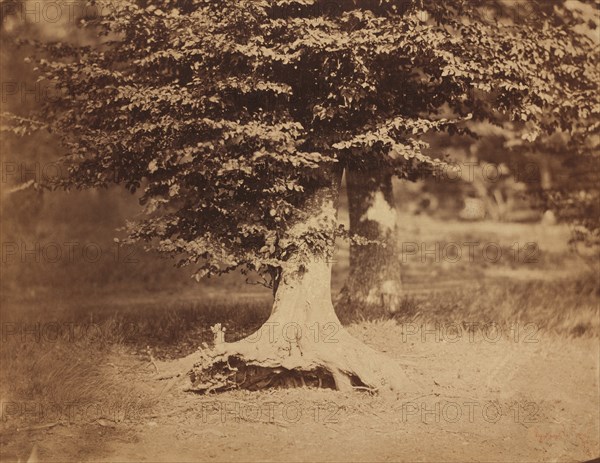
point(345, 365)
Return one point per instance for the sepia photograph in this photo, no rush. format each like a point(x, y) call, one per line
point(300, 230)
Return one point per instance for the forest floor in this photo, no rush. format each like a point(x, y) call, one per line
point(502, 361)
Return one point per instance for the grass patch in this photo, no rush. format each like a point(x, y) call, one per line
point(567, 307)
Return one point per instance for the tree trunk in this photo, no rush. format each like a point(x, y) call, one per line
point(302, 342)
point(375, 282)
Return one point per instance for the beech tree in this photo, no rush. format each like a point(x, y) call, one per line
point(235, 120)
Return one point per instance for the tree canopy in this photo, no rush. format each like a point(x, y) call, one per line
point(228, 115)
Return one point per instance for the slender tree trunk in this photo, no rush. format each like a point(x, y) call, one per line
point(375, 279)
point(303, 341)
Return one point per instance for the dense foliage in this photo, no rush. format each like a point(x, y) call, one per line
point(228, 115)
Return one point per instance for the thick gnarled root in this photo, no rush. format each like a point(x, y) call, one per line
point(235, 373)
point(345, 365)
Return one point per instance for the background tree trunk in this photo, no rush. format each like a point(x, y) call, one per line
point(375, 281)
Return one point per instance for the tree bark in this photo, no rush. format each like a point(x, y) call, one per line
point(375, 279)
point(303, 342)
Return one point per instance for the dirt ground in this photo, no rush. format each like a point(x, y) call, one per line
point(522, 398)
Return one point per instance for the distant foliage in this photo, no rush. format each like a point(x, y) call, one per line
point(575, 199)
point(227, 115)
